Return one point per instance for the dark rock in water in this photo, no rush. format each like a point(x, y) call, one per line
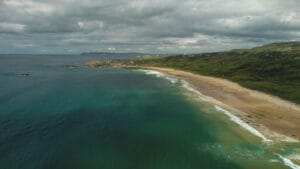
point(70, 66)
point(24, 74)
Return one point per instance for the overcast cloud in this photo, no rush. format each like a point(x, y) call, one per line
point(150, 26)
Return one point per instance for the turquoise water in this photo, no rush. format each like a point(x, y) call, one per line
point(88, 118)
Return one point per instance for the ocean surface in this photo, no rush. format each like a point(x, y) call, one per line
point(60, 117)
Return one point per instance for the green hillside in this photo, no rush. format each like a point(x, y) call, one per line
point(273, 68)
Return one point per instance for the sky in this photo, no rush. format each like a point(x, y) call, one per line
point(144, 26)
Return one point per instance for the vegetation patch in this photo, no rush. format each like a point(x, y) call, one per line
point(273, 68)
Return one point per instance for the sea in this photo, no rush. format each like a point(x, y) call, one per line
point(56, 113)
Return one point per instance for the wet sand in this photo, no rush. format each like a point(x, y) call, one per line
point(274, 117)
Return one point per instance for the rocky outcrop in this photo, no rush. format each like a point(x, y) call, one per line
point(98, 63)
point(95, 63)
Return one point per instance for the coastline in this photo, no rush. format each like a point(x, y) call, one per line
point(277, 119)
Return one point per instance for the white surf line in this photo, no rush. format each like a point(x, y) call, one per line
point(232, 117)
point(227, 113)
point(242, 124)
point(288, 162)
point(271, 134)
point(171, 78)
point(188, 87)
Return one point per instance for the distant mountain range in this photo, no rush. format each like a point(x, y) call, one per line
point(113, 53)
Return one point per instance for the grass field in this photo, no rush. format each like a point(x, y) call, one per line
point(273, 68)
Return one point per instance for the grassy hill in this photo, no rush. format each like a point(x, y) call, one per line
point(273, 68)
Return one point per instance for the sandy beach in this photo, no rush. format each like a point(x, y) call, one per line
point(272, 116)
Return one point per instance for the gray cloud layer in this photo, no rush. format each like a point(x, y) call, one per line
point(156, 26)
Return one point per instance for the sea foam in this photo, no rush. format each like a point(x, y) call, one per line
point(242, 124)
point(288, 162)
point(172, 79)
point(232, 117)
point(188, 87)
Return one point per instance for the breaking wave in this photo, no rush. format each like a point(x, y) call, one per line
point(242, 124)
point(288, 162)
point(172, 79)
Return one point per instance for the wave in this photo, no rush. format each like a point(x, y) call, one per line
point(242, 124)
point(234, 118)
point(172, 79)
point(188, 87)
point(288, 162)
point(271, 134)
point(237, 120)
point(202, 97)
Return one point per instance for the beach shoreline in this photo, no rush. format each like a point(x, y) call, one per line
point(277, 119)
